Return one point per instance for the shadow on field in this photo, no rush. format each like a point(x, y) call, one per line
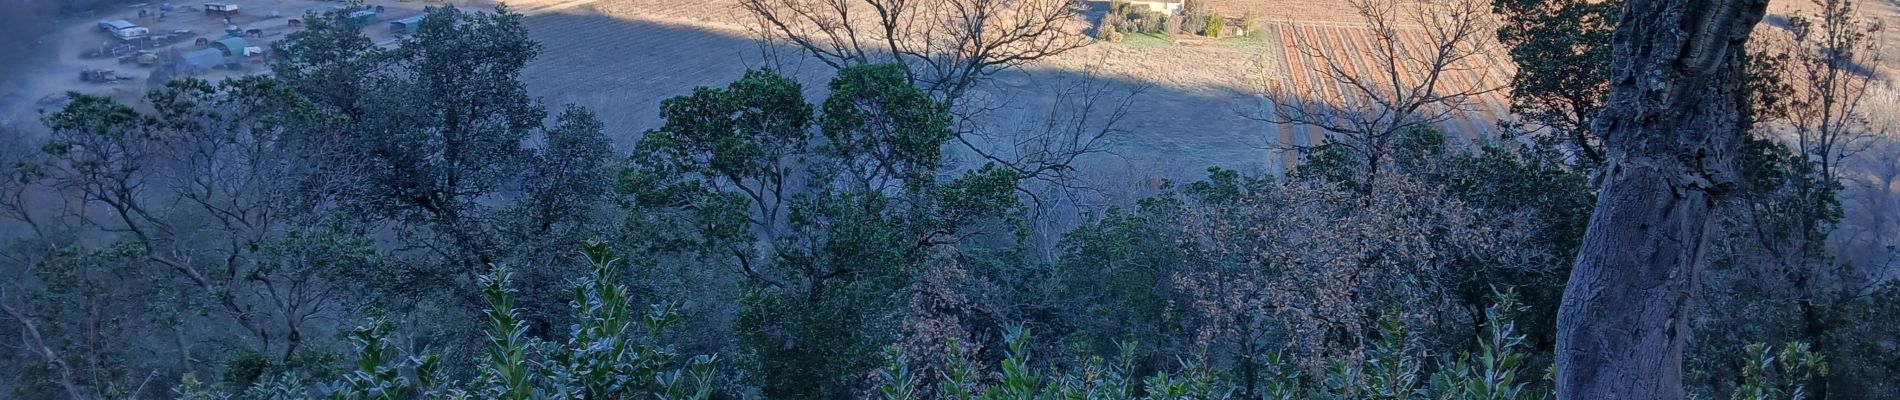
point(623, 68)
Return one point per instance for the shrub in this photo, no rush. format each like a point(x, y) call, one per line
point(1139, 19)
point(1171, 24)
point(1213, 25)
point(1394, 369)
point(1193, 24)
point(611, 353)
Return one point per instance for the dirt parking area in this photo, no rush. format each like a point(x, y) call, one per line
point(175, 29)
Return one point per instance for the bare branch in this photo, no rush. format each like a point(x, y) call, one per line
point(1410, 66)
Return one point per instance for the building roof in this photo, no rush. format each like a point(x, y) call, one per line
point(233, 44)
point(120, 24)
point(202, 58)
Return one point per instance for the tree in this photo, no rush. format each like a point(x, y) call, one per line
point(1213, 25)
point(829, 210)
point(244, 207)
point(945, 46)
point(1780, 274)
point(446, 125)
point(1237, 270)
point(434, 128)
point(573, 172)
point(948, 48)
point(215, 213)
point(1562, 51)
point(1835, 57)
point(437, 138)
point(1405, 84)
point(1520, 192)
point(1674, 128)
point(329, 61)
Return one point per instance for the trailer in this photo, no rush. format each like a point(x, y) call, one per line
point(362, 17)
point(221, 9)
point(131, 33)
point(115, 25)
point(405, 25)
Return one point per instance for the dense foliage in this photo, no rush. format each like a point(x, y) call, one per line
point(400, 222)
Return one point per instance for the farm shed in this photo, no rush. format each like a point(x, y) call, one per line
point(199, 61)
point(231, 46)
point(221, 9)
point(405, 25)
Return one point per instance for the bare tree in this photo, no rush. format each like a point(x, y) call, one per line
point(1402, 78)
point(1083, 119)
point(1811, 85)
point(1305, 269)
point(1835, 57)
point(1674, 130)
point(949, 48)
point(205, 186)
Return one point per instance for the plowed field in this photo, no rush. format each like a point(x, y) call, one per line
point(621, 57)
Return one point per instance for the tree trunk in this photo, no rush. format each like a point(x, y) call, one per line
point(1676, 89)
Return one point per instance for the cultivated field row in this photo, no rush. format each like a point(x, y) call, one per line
point(1302, 71)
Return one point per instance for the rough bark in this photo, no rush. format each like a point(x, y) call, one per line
point(1676, 92)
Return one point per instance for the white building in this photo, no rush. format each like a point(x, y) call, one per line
point(1170, 7)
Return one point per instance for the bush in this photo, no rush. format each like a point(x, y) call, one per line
point(1193, 23)
point(1105, 28)
point(1171, 24)
point(607, 355)
point(611, 353)
point(1213, 25)
point(1394, 369)
point(614, 353)
point(1139, 19)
